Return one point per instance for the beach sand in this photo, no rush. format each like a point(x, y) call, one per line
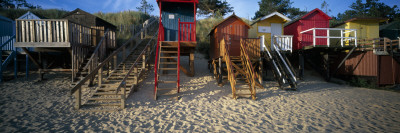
point(27, 105)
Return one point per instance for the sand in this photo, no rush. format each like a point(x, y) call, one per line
point(27, 105)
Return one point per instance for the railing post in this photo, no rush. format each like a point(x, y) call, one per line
point(100, 80)
point(328, 38)
point(341, 37)
point(123, 96)
point(314, 37)
point(115, 62)
point(78, 98)
point(355, 36)
point(135, 80)
point(144, 62)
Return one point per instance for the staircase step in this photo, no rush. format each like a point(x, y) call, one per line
point(238, 88)
point(168, 74)
point(105, 93)
point(103, 99)
point(172, 52)
point(169, 46)
point(161, 89)
point(168, 57)
point(169, 63)
point(167, 82)
point(102, 104)
point(168, 68)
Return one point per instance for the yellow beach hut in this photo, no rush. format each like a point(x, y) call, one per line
point(269, 26)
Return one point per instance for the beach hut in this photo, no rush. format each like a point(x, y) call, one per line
point(314, 19)
point(390, 30)
point(30, 15)
point(367, 28)
point(84, 18)
point(271, 25)
point(375, 64)
point(176, 38)
point(232, 29)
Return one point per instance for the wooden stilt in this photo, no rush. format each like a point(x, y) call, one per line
point(301, 65)
point(220, 71)
point(78, 99)
point(191, 63)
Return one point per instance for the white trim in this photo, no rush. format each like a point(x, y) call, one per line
point(276, 13)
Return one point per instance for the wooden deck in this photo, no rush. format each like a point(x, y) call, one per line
point(190, 44)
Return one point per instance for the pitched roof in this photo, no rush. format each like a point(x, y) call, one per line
point(362, 18)
point(270, 15)
point(182, 1)
point(232, 16)
point(77, 10)
point(382, 27)
point(309, 13)
point(30, 15)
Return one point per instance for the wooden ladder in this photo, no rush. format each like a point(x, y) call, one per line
point(168, 61)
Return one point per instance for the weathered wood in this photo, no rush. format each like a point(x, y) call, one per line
point(78, 99)
point(32, 33)
point(31, 57)
point(100, 76)
point(42, 44)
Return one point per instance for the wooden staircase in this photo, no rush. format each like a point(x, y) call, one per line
point(281, 67)
point(168, 69)
point(8, 54)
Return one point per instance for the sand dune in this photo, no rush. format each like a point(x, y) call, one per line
point(317, 106)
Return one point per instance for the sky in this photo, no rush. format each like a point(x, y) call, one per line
point(242, 8)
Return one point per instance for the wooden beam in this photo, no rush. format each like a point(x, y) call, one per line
point(42, 44)
point(33, 59)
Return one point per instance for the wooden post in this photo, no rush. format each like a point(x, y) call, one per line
point(144, 62)
point(326, 63)
point(260, 69)
point(27, 66)
point(115, 62)
point(301, 65)
point(191, 62)
point(123, 96)
point(220, 71)
point(100, 76)
point(78, 98)
point(135, 80)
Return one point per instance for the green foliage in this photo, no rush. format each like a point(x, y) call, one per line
point(281, 6)
point(214, 8)
point(363, 82)
point(47, 13)
point(11, 4)
point(372, 8)
point(203, 28)
point(145, 7)
point(124, 18)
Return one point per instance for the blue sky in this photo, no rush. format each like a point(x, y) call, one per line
point(242, 8)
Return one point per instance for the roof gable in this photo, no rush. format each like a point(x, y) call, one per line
point(271, 15)
point(377, 19)
point(30, 15)
point(80, 11)
point(232, 16)
point(308, 14)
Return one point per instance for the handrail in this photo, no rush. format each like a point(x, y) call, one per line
point(134, 65)
point(9, 40)
point(284, 62)
point(328, 37)
point(188, 30)
point(231, 74)
point(105, 61)
point(285, 42)
point(96, 51)
point(248, 65)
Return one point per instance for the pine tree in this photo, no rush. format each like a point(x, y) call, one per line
point(145, 7)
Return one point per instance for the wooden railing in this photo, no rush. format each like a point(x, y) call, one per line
point(231, 74)
point(12, 56)
point(42, 30)
point(381, 46)
point(252, 46)
point(187, 31)
point(118, 55)
point(248, 66)
point(144, 58)
point(285, 42)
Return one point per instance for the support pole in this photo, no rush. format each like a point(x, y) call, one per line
point(301, 65)
point(78, 99)
point(191, 63)
point(220, 71)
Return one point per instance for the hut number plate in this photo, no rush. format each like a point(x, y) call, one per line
point(264, 29)
point(171, 16)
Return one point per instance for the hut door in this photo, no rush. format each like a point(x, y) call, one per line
point(276, 29)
